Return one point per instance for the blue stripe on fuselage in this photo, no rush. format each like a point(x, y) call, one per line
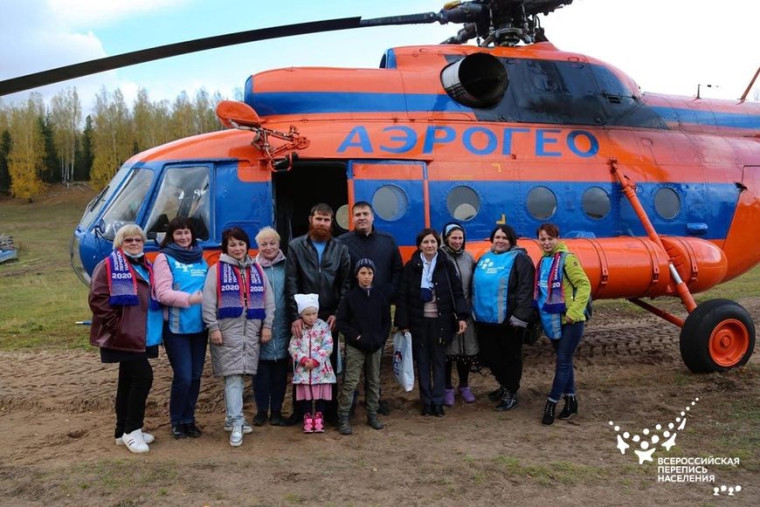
point(285, 103)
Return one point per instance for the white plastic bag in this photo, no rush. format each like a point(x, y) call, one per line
point(403, 368)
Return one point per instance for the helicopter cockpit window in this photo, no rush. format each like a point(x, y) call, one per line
point(184, 192)
point(463, 203)
point(390, 202)
point(541, 203)
point(596, 203)
point(667, 204)
point(126, 205)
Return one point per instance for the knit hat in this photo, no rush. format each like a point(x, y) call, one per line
point(364, 263)
point(305, 301)
point(449, 228)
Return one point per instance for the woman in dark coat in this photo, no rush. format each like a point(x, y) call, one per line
point(431, 305)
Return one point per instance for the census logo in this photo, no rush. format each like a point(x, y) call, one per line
point(679, 469)
point(486, 264)
point(648, 442)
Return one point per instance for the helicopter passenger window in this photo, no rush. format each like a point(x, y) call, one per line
point(463, 203)
point(541, 203)
point(596, 203)
point(126, 205)
point(390, 202)
point(184, 192)
point(667, 204)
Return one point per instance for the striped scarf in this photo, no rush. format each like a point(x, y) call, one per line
point(232, 295)
point(555, 299)
point(122, 281)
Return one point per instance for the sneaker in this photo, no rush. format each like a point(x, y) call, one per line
point(497, 394)
point(308, 423)
point(549, 412)
point(247, 428)
point(571, 407)
point(448, 397)
point(178, 431)
point(508, 402)
point(135, 442)
point(438, 411)
point(467, 395)
point(147, 437)
point(260, 419)
point(319, 423)
point(236, 437)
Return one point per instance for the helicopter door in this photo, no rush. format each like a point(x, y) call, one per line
point(308, 183)
point(396, 191)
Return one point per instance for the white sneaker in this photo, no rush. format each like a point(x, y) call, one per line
point(147, 437)
point(247, 428)
point(135, 442)
point(236, 437)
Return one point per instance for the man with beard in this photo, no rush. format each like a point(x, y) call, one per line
point(364, 241)
point(318, 264)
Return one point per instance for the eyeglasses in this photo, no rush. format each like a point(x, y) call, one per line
point(132, 240)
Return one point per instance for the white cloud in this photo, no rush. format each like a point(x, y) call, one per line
point(89, 13)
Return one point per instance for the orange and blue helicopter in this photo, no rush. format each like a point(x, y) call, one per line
point(657, 194)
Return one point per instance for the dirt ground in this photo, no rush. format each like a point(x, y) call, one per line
point(56, 445)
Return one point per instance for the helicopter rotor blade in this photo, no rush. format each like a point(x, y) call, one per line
point(148, 55)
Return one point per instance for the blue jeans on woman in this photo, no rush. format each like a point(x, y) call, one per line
point(187, 355)
point(564, 377)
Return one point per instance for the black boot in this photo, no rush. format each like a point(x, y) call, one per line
point(571, 407)
point(497, 394)
point(373, 422)
point(344, 426)
point(508, 402)
point(549, 412)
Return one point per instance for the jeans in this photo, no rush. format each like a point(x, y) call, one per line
point(233, 399)
point(270, 383)
point(356, 362)
point(564, 377)
point(430, 355)
point(187, 355)
point(135, 381)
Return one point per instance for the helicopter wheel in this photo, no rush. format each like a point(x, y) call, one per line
point(717, 336)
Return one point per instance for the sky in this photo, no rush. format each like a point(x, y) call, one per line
point(666, 46)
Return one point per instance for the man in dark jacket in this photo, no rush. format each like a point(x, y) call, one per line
point(318, 264)
point(366, 242)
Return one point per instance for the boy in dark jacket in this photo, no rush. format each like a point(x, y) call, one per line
point(364, 318)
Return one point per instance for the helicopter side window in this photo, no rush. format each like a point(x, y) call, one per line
point(595, 203)
point(126, 205)
point(667, 204)
point(390, 202)
point(184, 192)
point(463, 203)
point(541, 203)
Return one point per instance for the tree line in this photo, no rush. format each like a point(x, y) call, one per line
point(52, 143)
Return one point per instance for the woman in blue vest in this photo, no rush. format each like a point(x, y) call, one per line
point(562, 292)
point(180, 272)
point(502, 307)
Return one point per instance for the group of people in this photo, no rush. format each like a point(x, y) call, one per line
point(272, 314)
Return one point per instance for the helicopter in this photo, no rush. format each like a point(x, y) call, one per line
point(655, 192)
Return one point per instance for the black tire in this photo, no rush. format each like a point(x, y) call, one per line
point(717, 336)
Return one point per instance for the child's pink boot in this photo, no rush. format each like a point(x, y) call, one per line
point(319, 423)
point(308, 423)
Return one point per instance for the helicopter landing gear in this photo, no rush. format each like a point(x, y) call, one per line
point(717, 336)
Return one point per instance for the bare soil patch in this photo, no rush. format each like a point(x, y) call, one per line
point(56, 445)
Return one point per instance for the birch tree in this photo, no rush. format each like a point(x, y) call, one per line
point(66, 117)
point(26, 157)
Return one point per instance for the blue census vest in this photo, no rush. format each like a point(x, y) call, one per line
point(154, 327)
point(551, 322)
point(187, 278)
point(490, 282)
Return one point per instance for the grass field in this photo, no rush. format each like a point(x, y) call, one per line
point(41, 298)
